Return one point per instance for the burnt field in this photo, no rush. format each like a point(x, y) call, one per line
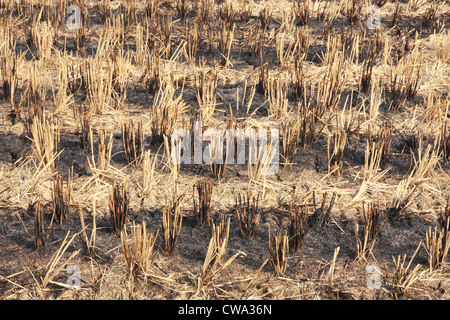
point(351, 200)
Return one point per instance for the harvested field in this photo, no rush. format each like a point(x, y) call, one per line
point(352, 201)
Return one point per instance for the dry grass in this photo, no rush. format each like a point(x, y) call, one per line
point(248, 215)
point(437, 245)
point(104, 152)
point(278, 251)
point(403, 277)
point(118, 207)
point(372, 223)
point(138, 249)
point(61, 199)
point(216, 156)
point(298, 226)
point(337, 144)
point(322, 214)
point(39, 228)
point(55, 266)
point(202, 207)
point(46, 140)
point(133, 142)
point(86, 146)
point(82, 115)
point(214, 262)
point(171, 226)
point(89, 242)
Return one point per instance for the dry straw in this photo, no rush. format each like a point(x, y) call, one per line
point(55, 266)
point(371, 228)
point(298, 226)
point(172, 219)
point(403, 278)
point(46, 140)
point(165, 111)
point(39, 241)
point(379, 96)
point(337, 145)
point(137, 249)
point(151, 77)
point(217, 161)
point(118, 207)
point(248, 214)
point(405, 80)
point(104, 152)
point(133, 142)
point(277, 91)
point(302, 12)
point(278, 253)
point(206, 87)
point(99, 87)
point(149, 174)
point(263, 161)
point(83, 119)
point(322, 214)
point(89, 242)
point(202, 207)
point(8, 74)
point(214, 262)
point(290, 136)
point(437, 245)
point(61, 199)
point(41, 36)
